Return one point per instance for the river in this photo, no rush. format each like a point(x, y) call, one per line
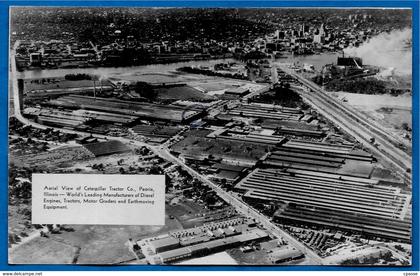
point(108, 72)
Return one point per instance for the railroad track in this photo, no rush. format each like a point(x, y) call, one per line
point(358, 127)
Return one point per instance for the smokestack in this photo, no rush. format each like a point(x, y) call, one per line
point(387, 50)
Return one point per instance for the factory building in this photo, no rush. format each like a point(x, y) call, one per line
point(147, 111)
point(266, 111)
point(210, 247)
point(165, 244)
point(201, 241)
point(285, 255)
point(331, 200)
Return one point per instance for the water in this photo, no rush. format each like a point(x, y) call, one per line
point(317, 60)
point(118, 71)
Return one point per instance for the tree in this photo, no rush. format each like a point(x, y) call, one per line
point(210, 199)
point(405, 126)
point(155, 170)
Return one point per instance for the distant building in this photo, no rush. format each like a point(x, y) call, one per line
point(304, 28)
point(322, 30)
point(279, 34)
point(318, 38)
point(35, 59)
point(350, 61)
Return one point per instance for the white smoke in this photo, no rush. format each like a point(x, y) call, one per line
point(386, 50)
point(387, 73)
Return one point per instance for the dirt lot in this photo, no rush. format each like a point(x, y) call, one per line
point(254, 257)
point(221, 258)
point(389, 111)
point(42, 251)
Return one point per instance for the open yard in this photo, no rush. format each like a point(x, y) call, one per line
point(222, 258)
point(389, 111)
point(88, 244)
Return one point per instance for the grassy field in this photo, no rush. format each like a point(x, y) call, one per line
point(60, 83)
point(259, 257)
point(43, 251)
point(399, 107)
point(18, 218)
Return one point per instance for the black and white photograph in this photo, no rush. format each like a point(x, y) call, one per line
point(210, 136)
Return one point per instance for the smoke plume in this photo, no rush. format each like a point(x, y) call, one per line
point(386, 50)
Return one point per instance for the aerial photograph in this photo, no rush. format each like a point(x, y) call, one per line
point(284, 134)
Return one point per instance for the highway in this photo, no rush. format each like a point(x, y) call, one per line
point(163, 152)
point(357, 126)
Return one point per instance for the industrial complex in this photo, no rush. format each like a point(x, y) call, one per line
point(261, 164)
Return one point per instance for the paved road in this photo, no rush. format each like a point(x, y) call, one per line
point(257, 92)
point(356, 125)
point(245, 209)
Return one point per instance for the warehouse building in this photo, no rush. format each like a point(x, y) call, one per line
point(246, 136)
point(330, 200)
point(75, 118)
point(165, 244)
point(147, 111)
point(268, 112)
point(210, 247)
point(107, 148)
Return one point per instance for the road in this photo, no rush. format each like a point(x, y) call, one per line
point(255, 93)
point(244, 208)
point(357, 126)
point(163, 152)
